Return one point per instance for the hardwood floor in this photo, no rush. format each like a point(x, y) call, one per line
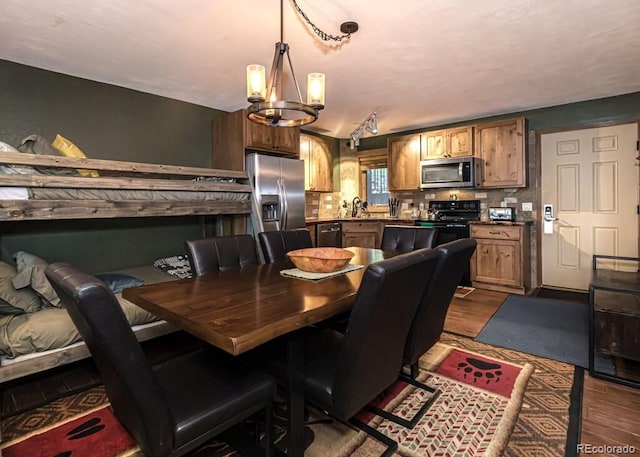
point(610, 411)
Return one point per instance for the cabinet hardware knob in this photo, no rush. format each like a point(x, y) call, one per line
point(495, 233)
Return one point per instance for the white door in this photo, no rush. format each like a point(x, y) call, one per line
point(590, 177)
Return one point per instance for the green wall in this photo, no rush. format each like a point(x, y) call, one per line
point(106, 122)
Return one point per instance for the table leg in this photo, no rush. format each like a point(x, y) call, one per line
point(295, 363)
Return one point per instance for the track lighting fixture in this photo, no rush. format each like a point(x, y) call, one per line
point(370, 124)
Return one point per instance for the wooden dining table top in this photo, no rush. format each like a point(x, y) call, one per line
point(242, 309)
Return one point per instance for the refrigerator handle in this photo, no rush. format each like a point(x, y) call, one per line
point(283, 202)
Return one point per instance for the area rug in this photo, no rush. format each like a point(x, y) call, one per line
point(468, 417)
point(549, 420)
point(554, 329)
point(97, 429)
point(481, 418)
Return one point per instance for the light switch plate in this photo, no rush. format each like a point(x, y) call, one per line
point(429, 196)
point(510, 200)
point(527, 206)
point(481, 195)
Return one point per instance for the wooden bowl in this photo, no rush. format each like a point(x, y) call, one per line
point(320, 260)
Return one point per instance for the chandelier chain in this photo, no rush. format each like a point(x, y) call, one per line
point(323, 35)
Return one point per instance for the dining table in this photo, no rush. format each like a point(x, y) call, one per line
point(240, 310)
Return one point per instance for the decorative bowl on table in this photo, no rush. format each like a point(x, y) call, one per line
point(320, 260)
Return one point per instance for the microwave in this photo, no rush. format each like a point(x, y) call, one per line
point(450, 172)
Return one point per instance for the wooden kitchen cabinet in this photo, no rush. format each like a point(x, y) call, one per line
point(364, 234)
point(403, 162)
point(232, 135)
point(500, 152)
point(439, 144)
point(501, 260)
point(318, 163)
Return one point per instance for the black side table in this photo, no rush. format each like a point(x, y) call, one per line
point(614, 321)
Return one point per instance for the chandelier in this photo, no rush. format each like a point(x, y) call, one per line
point(268, 105)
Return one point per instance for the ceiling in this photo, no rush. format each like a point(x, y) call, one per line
point(418, 63)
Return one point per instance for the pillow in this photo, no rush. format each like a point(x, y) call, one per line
point(36, 144)
point(25, 299)
point(35, 332)
point(68, 149)
point(175, 266)
point(31, 274)
point(134, 314)
point(118, 281)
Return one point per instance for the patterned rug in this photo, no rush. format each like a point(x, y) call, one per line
point(540, 429)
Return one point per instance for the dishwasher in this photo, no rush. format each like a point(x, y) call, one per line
point(329, 234)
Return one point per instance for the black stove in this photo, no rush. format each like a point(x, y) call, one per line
point(452, 221)
point(455, 210)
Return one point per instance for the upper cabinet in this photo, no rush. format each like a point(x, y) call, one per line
point(500, 153)
point(403, 162)
point(318, 163)
point(455, 142)
point(233, 134)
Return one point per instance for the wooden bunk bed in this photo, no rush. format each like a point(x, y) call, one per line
point(56, 188)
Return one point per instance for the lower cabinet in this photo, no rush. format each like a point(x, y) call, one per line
point(361, 234)
point(501, 260)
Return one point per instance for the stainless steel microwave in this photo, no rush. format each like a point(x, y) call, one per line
point(450, 172)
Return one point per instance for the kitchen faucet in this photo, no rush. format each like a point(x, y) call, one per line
point(355, 204)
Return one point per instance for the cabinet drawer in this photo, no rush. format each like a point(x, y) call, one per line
point(495, 232)
point(359, 227)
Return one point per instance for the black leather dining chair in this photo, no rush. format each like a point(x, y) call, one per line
point(342, 373)
point(276, 244)
point(404, 238)
point(428, 323)
point(222, 253)
point(176, 406)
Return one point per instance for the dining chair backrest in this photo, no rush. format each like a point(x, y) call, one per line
point(223, 253)
point(134, 392)
point(370, 356)
point(276, 244)
point(428, 324)
point(404, 238)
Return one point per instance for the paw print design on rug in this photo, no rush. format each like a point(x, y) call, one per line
point(480, 370)
point(97, 433)
point(496, 376)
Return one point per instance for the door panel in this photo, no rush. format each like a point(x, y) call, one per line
point(590, 177)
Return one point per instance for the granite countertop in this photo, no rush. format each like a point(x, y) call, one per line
point(501, 222)
point(311, 220)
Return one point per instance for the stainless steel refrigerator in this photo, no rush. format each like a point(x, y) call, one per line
point(278, 192)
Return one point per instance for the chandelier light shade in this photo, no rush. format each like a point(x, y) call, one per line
point(267, 98)
point(256, 86)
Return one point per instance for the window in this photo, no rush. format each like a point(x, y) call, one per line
point(373, 178)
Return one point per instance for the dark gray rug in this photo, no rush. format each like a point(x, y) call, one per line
point(554, 329)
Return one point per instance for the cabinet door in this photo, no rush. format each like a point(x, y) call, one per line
point(321, 165)
point(286, 139)
point(305, 154)
point(460, 142)
point(362, 240)
point(259, 136)
point(434, 145)
point(403, 163)
point(500, 146)
point(497, 262)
